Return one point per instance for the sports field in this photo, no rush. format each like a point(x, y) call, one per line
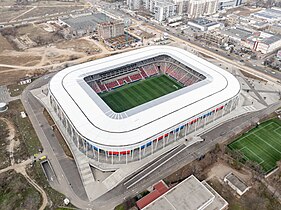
point(134, 94)
point(261, 144)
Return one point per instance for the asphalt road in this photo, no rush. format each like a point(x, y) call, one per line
point(149, 168)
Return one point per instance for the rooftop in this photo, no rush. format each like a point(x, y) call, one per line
point(159, 189)
point(190, 194)
point(83, 22)
point(272, 39)
point(203, 22)
point(234, 180)
point(237, 33)
point(260, 24)
point(273, 13)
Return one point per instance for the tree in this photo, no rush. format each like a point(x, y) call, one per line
point(11, 31)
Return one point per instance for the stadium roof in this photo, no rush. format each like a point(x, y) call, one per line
point(85, 109)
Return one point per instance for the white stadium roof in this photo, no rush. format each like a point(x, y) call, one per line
point(86, 110)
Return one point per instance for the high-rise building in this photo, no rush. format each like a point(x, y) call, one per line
point(198, 8)
point(134, 4)
point(162, 9)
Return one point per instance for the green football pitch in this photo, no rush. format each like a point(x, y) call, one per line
point(261, 144)
point(134, 94)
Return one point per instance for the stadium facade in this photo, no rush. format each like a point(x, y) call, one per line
point(118, 137)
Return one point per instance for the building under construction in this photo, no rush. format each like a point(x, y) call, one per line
point(113, 35)
point(110, 29)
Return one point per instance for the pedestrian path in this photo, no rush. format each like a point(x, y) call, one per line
point(250, 108)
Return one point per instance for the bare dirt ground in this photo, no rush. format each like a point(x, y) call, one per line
point(12, 77)
point(4, 44)
point(54, 60)
point(13, 62)
point(21, 59)
point(28, 36)
point(220, 169)
point(51, 53)
point(10, 11)
point(12, 141)
point(242, 11)
point(79, 45)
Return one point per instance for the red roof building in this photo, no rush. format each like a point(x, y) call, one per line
point(158, 189)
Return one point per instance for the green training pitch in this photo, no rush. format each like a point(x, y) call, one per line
point(261, 144)
point(134, 94)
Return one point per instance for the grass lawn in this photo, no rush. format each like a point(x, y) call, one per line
point(29, 142)
point(4, 154)
point(140, 92)
point(262, 144)
point(16, 89)
point(16, 193)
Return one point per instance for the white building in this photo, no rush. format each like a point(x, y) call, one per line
point(204, 24)
point(263, 42)
point(190, 194)
point(169, 8)
point(271, 14)
point(236, 184)
point(182, 6)
point(134, 4)
point(269, 45)
point(162, 9)
point(199, 8)
point(226, 4)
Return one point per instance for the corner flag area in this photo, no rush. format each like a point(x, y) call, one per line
point(262, 144)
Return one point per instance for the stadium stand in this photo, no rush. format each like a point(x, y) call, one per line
point(135, 77)
point(142, 72)
point(96, 87)
point(123, 80)
point(143, 69)
point(102, 87)
point(112, 85)
point(150, 70)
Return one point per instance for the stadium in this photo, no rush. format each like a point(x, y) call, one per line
point(125, 107)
